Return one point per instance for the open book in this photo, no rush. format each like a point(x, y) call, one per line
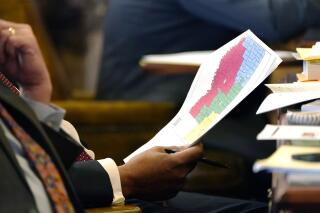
point(223, 80)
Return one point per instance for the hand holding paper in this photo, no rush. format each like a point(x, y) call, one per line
point(143, 170)
point(226, 77)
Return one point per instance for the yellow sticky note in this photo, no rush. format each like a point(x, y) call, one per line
point(306, 54)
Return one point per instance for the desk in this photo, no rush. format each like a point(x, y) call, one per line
point(174, 63)
point(116, 209)
point(159, 68)
point(189, 62)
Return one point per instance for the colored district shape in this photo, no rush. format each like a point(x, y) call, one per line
point(235, 69)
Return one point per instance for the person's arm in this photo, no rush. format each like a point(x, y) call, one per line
point(22, 61)
point(106, 189)
point(98, 183)
point(152, 175)
point(269, 19)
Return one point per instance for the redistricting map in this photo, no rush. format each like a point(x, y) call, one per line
point(235, 69)
point(227, 76)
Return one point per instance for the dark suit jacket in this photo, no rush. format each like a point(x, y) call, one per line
point(87, 182)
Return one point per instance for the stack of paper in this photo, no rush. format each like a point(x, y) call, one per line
point(303, 137)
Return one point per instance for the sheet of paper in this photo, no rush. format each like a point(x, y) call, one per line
point(223, 80)
point(284, 99)
point(289, 132)
point(282, 162)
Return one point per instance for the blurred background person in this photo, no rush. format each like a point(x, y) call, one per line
point(137, 28)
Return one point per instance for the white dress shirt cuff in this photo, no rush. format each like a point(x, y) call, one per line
point(112, 169)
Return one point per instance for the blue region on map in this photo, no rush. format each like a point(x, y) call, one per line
point(251, 59)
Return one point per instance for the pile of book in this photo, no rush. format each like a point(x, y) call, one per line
point(295, 164)
point(298, 138)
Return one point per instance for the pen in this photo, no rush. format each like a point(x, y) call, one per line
point(204, 160)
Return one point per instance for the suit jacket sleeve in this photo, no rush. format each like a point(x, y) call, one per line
point(90, 180)
point(91, 183)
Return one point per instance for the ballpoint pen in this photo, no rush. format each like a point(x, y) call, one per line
point(205, 160)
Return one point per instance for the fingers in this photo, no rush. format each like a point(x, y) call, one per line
point(181, 154)
point(14, 45)
point(4, 35)
point(6, 24)
point(9, 50)
point(12, 38)
point(190, 154)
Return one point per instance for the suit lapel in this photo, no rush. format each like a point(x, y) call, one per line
point(10, 98)
point(66, 147)
point(8, 150)
point(22, 113)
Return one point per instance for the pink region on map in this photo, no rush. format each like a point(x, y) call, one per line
point(224, 78)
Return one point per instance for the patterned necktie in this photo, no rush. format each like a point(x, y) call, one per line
point(42, 164)
point(84, 156)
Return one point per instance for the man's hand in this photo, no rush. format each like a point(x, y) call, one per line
point(21, 60)
point(157, 175)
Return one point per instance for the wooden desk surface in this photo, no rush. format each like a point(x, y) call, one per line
point(161, 68)
point(182, 63)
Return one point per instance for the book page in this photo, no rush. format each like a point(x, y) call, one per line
point(223, 80)
point(289, 132)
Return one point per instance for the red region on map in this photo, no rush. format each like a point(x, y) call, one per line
point(224, 78)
